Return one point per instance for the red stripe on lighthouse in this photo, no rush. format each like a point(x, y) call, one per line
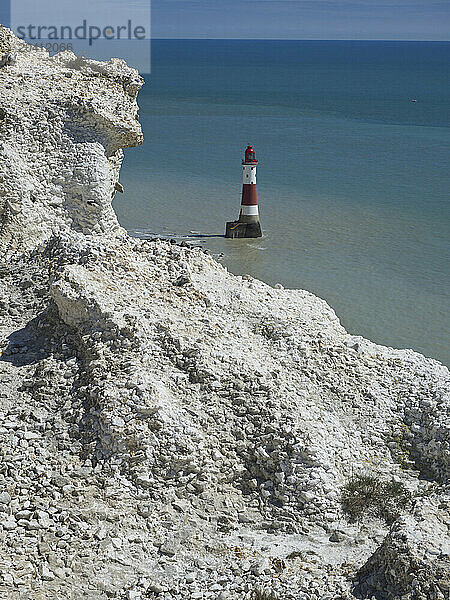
point(249, 194)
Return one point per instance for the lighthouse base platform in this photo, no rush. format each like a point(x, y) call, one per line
point(238, 229)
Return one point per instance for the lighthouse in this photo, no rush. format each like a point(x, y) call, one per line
point(248, 225)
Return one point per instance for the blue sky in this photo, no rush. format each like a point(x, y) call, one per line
point(302, 19)
point(4, 12)
point(291, 19)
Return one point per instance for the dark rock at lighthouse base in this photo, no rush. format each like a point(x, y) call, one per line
point(238, 229)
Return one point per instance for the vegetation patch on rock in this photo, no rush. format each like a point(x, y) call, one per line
point(365, 495)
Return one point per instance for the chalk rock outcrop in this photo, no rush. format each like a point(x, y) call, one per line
point(170, 430)
point(63, 124)
point(413, 559)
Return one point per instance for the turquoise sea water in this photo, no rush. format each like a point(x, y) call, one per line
point(353, 181)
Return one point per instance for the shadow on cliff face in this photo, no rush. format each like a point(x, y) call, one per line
point(27, 346)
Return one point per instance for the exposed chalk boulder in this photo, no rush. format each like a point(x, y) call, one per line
point(412, 562)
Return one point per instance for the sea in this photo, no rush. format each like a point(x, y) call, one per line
point(353, 143)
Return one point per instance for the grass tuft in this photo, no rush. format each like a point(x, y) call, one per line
point(366, 495)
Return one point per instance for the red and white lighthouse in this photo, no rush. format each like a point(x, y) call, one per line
point(248, 224)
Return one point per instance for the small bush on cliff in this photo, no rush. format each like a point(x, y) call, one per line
point(366, 495)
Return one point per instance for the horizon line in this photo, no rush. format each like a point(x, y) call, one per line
point(295, 39)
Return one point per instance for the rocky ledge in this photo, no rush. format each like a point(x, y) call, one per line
point(172, 431)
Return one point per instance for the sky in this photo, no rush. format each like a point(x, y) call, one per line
point(287, 19)
point(302, 19)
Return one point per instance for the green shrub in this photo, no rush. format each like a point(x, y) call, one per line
point(366, 495)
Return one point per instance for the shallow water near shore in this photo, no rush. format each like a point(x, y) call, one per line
point(353, 179)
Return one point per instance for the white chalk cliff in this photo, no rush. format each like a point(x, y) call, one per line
point(172, 431)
